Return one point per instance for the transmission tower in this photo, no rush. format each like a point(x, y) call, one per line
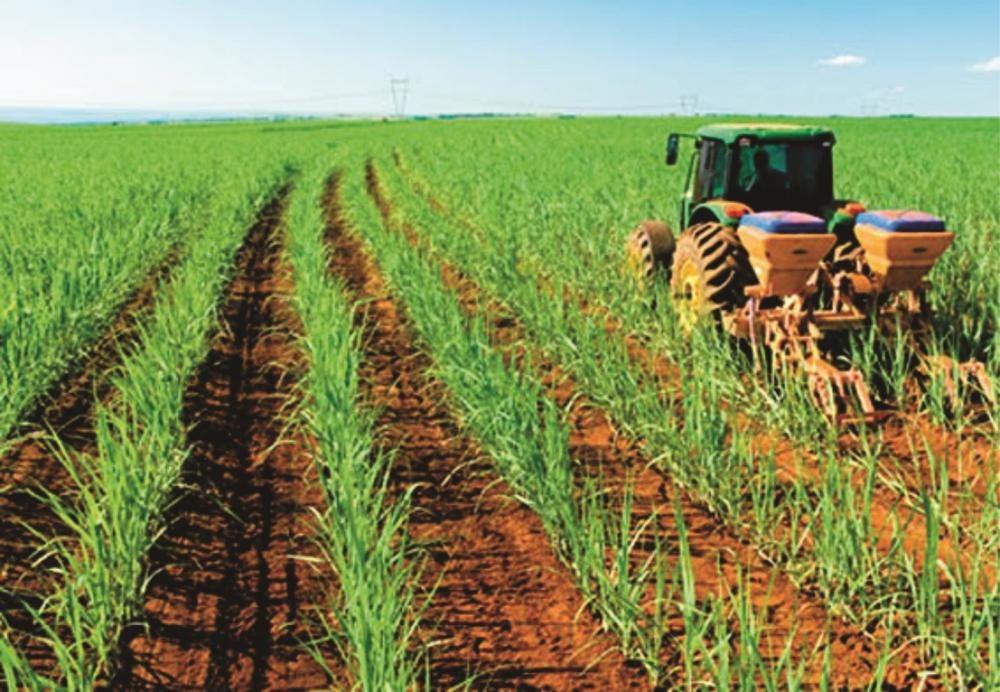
point(689, 104)
point(399, 89)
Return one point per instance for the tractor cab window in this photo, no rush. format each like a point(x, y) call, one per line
point(711, 181)
point(784, 175)
point(763, 174)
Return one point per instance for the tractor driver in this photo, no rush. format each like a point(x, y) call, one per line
point(766, 186)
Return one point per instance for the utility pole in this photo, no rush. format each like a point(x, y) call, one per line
point(399, 89)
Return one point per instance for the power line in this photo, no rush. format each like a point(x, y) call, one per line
point(534, 105)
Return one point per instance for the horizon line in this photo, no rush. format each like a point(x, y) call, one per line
point(140, 115)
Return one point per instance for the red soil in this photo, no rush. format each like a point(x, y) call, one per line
point(230, 595)
point(504, 609)
point(719, 558)
point(970, 457)
point(67, 412)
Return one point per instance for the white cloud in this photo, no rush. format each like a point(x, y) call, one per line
point(986, 66)
point(843, 61)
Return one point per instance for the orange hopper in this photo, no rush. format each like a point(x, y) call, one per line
point(785, 250)
point(901, 246)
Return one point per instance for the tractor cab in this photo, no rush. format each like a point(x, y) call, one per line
point(735, 169)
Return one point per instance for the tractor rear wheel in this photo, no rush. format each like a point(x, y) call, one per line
point(710, 270)
point(649, 249)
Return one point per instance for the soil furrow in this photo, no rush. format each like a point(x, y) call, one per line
point(719, 558)
point(67, 412)
point(230, 596)
point(505, 610)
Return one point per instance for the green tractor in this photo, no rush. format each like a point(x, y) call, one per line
point(770, 253)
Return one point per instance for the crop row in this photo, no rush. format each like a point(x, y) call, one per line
point(83, 221)
point(370, 614)
point(120, 488)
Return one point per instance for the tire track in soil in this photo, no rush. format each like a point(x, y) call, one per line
point(31, 463)
point(229, 600)
point(505, 608)
point(719, 559)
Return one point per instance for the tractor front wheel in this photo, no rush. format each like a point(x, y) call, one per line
point(649, 249)
point(710, 270)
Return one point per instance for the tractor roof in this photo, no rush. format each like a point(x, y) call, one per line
point(730, 132)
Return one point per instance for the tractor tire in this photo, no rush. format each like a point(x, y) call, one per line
point(649, 249)
point(710, 270)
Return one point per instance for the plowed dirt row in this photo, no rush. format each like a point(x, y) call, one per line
point(230, 596)
point(68, 413)
point(504, 610)
point(719, 559)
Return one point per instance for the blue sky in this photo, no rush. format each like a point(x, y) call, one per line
point(636, 57)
